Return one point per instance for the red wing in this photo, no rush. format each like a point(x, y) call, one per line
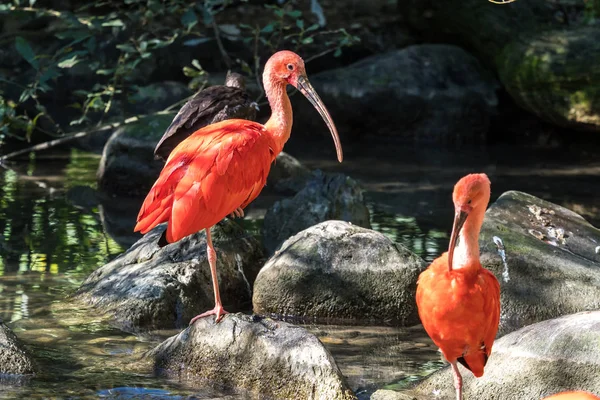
point(492, 308)
point(207, 176)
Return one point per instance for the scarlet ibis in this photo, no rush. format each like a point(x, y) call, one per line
point(575, 395)
point(213, 104)
point(459, 300)
point(224, 166)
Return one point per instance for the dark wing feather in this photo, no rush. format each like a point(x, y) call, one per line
point(211, 105)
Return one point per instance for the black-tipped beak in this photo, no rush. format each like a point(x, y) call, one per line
point(459, 220)
point(309, 92)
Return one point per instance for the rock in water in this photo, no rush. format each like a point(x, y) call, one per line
point(14, 359)
point(152, 288)
point(422, 93)
point(127, 166)
point(533, 362)
point(553, 268)
point(341, 272)
point(324, 197)
point(274, 360)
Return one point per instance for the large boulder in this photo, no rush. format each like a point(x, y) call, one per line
point(337, 271)
point(14, 359)
point(128, 166)
point(545, 53)
point(269, 359)
point(149, 287)
point(287, 174)
point(552, 257)
point(324, 197)
point(531, 363)
point(425, 93)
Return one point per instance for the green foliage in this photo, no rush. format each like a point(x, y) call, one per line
point(116, 39)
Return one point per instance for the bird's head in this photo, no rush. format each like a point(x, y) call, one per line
point(288, 67)
point(470, 192)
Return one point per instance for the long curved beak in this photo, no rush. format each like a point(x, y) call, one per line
point(459, 220)
point(309, 92)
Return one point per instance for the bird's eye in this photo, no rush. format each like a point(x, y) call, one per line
point(469, 202)
point(290, 67)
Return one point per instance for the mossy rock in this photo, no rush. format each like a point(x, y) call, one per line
point(545, 53)
point(552, 257)
point(14, 358)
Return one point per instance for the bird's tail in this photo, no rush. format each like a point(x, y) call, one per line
point(475, 361)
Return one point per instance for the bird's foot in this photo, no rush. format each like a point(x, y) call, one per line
point(218, 312)
point(237, 213)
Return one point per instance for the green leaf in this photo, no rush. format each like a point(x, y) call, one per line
point(268, 28)
point(300, 24)
point(313, 27)
point(189, 19)
point(24, 49)
point(294, 13)
point(196, 64)
point(50, 73)
point(338, 52)
point(126, 48)
point(115, 22)
point(308, 40)
point(69, 62)
point(105, 71)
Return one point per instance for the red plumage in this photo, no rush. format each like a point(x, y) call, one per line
point(460, 310)
point(207, 176)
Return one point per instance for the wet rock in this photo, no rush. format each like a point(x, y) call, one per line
point(266, 358)
point(425, 93)
point(287, 174)
point(542, 51)
point(128, 166)
point(151, 288)
point(383, 394)
point(340, 272)
point(324, 197)
point(533, 362)
point(14, 359)
point(553, 268)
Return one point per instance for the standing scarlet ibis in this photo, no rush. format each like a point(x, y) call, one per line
point(459, 300)
point(222, 167)
point(213, 104)
point(575, 395)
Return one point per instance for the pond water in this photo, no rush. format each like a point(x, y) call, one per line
point(55, 231)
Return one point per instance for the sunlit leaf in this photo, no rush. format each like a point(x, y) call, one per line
point(196, 64)
point(115, 22)
point(126, 47)
point(24, 49)
point(308, 40)
point(69, 62)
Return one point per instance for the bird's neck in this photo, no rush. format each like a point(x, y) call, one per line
point(466, 254)
point(279, 124)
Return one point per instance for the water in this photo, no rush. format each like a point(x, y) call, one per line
point(55, 230)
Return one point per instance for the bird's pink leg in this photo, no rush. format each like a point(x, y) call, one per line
point(457, 380)
point(218, 311)
point(237, 213)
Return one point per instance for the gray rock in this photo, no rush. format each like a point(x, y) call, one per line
point(14, 359)
point(287, 174)
point(553, 267)
point(128, 166)
point(324, 197)
point(532, 363)
point(341, 272)
point(268, 359)
point(152, 288)
point(383, 394)
point(425, 93)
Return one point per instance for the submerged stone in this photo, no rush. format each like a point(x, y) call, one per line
point(341, 272)
point(14, 358)
point(268, 359)
point(149, 287)
point(531, 363)
point(553, 268)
